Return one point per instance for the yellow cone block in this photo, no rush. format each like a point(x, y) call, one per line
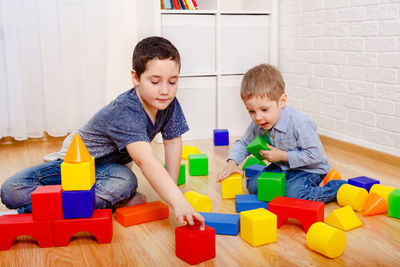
point(77, 176)
point(187, 150)
point(353, 196)
point(343, 218)
point(325, 239)
point(232, 186)
point(199, 202)
point(382, 190)
point(258, 227)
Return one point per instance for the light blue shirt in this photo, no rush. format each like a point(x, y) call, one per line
point(295, 133)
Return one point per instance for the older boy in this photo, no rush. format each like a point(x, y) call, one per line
point(297, 150)
point(121, 132)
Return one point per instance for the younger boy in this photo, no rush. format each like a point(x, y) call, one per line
point(122, 132)
point(296, 148)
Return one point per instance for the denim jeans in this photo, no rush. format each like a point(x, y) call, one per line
point(302, 185)
point(114, 183)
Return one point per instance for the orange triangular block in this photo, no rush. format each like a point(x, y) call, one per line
point(332, 175)
point(77, 151)
point(375, 204)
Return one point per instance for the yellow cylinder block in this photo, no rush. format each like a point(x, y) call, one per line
point(353, 196)
point(382, 190)
point(325, 239)
point(199, 202)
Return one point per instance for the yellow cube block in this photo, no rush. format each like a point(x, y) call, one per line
point(232, 186)
point(187, 150)
point(78, 176)
point(199, 202)
point(382, 190)
point(325, 239)
point(353, 196)
point(258, 227)
point(343, 218)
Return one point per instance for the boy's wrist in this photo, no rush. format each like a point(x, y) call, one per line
point(232, 162)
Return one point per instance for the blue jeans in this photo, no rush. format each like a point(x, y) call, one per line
point(114, 183)
point(302, 185)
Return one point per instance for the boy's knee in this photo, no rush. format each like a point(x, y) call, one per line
point(13, 196)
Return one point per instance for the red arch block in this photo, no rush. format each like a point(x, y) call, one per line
point(100, 225)
point(305, 211)
point(12, 226)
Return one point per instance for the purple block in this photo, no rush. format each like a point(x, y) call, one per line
point(254, 170)
point(221, 137)
point(363, 182)
point(78, 204)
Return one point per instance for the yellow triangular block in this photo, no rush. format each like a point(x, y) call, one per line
point(343, 218)
point(187, 150)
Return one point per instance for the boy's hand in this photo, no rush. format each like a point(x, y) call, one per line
point(184, 212)
point(274, 154)
point(230, 168)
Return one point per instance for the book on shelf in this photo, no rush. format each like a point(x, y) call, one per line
point(179, 4)
point(167, 4)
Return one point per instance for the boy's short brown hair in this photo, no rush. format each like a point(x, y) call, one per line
point(153, 47)
point(262, 80)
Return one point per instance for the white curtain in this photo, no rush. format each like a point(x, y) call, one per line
point(53, 64)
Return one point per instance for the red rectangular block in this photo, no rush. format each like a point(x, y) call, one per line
point(47, 203)
point(145, 212)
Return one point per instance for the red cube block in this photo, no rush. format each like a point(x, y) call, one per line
point(193, 245)
point(47, 203)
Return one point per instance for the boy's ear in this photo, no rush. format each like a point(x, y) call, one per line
point(282, 100)
point(135, 78)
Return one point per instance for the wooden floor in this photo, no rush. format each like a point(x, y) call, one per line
point(377, 242)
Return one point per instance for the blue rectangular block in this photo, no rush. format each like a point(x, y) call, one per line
point(221, 137)
point(224, 224)
point(249, 202)
point(254, 170)
point(363, 182)
point(78, 204)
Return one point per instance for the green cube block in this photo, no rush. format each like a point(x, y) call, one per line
point(252, 161)
point(182, 174)
point(259, 143)
point(198, 164)
point(270, 185)
point(394, 204)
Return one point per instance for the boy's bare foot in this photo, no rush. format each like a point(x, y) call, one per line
point(138, 198)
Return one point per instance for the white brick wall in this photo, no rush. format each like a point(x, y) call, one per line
point(341, 64)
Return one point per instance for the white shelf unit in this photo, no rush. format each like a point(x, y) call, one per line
point(218, 43)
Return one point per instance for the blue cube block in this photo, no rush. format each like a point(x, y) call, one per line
point(249, 202)
point(254, 170)
point(221, 137)
point(224, 224)
point(363, 182)
point(78, 204)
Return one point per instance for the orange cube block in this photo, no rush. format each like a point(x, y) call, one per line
point(145, 212)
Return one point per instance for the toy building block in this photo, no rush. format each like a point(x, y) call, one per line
point(224, 224)
point(199, 202)
point(331, 175)
point(394, 204)
point(100, 225)
point(141, 213)
point(78, 204)
point(343, 218)
point(221, 137)
point(252, 161)
point(232, 186)
point(254, 170)
point(187, 150)
point(375, 204)
point(258, 227)
point(325, 239)
point(363, 182)
point(259, 143)
point(382, 190)
point(46, 203)
point(78, 169)
point(271, 185)
point(198, 164)
point(182, 174)
point(305, 211)
point(353, 196)
point(249, 202)
point(193, 245)
point(12, 226)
